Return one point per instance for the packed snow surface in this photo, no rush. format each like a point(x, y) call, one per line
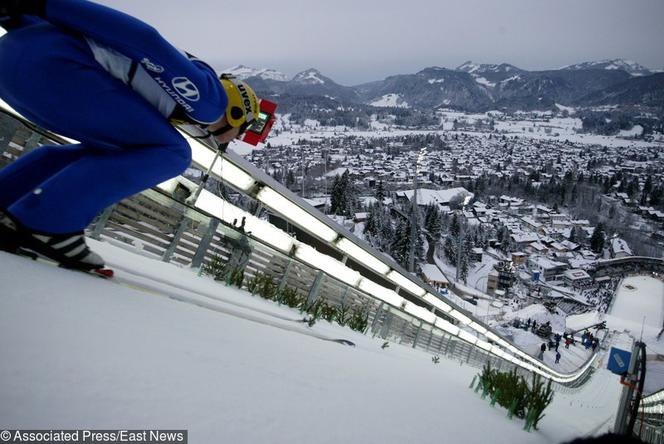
point(79, 351)
point(638, 310)
point(639, 301)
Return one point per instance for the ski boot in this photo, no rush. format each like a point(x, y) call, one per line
point(9, 237)
point(68, 250)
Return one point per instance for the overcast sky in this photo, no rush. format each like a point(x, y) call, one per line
point(356, 41)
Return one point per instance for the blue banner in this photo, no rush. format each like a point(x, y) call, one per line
point(619, 361)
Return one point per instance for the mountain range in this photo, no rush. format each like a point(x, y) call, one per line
point(476, 87)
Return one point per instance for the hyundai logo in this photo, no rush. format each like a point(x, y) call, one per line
point(186, 88)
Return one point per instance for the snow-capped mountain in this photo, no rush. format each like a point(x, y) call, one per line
point(491, 76)
point(629, 66)
point(312, 82)
point(311, 77)
point(309, 83)
point(481, 87)
point(244, 72)
point(640, 90)
point(483, 68)
point(432, 87)
point(471, 87)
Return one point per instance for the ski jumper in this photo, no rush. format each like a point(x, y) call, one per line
point(111, 82)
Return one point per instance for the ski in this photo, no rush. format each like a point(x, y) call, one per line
point(136, 280)
point(105, 273)
point(174, 293)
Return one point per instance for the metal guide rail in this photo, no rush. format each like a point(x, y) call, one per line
point(649, 425)
point(401, 307)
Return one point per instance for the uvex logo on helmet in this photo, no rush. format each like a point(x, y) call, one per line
point(243, 105)
point(245, 99)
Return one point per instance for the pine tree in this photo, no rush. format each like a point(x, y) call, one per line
point(464, 262)
point(633, 187)
point(336, 196)
point(344, 185)
point(449, 251)
point(455, 227)
point(343, 199)
point(574, 234)
point(598, 239)
point(371, 225)
point(386, 231)
point(400, 247)
point(505, 238)
point(290, 178)
point(432, 221)
point(380, 192)
point(647, 186)
point(656, 196)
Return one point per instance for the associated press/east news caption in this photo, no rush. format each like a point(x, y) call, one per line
point(93, 436)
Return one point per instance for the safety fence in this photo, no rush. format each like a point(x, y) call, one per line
point(168, 229)
point(650, 429)
point(156, 225)
point(649, 424)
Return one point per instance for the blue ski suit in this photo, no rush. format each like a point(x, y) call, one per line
point(112, 83)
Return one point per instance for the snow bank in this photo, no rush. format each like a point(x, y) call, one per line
point(576, 322)
point(640, 299)
point(79, 351)
point(636, 130)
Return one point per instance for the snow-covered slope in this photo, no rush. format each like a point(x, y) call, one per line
point(390, 101)
point(78, 351)
point(310, 76)
point(244, 72)
point(629, 66)
point(482, 68)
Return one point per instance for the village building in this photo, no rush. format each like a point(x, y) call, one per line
point(434, 277)
point(519, 258)
point(619, 248)
point(577, 278)
point(441, 198)
point(501, 278)
point(548, 269)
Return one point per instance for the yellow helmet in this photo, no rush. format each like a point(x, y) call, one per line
point(243, 105)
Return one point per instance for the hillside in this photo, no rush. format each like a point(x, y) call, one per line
point(472, 87)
